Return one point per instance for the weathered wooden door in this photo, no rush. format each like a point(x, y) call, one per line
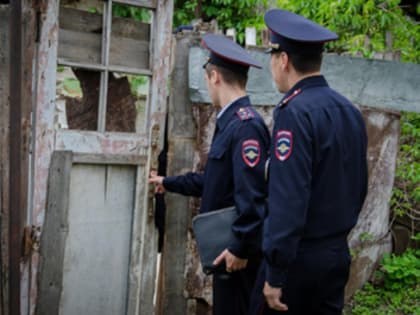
point(98, 243)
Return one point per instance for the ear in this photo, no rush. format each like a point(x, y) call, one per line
point(284, 61)
point(214, 76)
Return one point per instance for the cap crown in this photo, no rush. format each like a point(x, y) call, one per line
point(295, 33)
point(225, 52)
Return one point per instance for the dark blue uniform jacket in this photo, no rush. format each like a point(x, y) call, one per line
point(234, 174)
point(317, 174)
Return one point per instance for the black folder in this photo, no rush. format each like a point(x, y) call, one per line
point(213, 234)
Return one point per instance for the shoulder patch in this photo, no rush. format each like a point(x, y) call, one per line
point(245, 113)
point(251, 152)
point(283, 144)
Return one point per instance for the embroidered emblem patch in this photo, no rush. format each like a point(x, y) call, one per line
point(251, 152)
point(283, 144)
point(245, 113)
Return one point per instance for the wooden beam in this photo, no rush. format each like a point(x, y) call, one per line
point(45, 72)
point(15, 179)
point(4, 157)
point(103, 89)
point(151, 4)
point(54, 234)
point(65, 62)
point(160, 61)
point(109, 159)
point(180, 155)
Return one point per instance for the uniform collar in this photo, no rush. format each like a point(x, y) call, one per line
point(230, 110)
point(316, 80)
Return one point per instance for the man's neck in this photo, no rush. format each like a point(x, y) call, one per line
point(296, 77)
point(230, 95)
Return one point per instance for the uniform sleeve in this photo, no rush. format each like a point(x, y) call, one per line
point(289, 192)
point(190, 184)
point(250, 147)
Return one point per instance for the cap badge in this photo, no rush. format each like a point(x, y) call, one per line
point(273, 45)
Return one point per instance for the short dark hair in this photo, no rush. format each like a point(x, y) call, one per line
point(229, 76)
point(305, 63)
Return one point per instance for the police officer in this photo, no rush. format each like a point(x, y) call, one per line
point(317, 177)
point(234, 173)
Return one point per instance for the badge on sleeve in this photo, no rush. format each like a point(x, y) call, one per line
point(283, 144)
point(251, 152)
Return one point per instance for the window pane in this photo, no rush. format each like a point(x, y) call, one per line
point(77, 98)
point(126, 104)
point(80, 33)
point(130, 37)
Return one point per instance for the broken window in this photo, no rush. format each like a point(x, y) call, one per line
point(104, 65)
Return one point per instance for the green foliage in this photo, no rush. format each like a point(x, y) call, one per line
point(135, 13)
point(406, 194)
point(396, 289)
point(93, 10)
point(72, 87)
point(374, 301)
point(401, 271)
point(236, 14)
point(60, 68)
point(362, 25)
point(136, 82)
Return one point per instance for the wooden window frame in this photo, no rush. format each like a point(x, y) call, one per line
point(104, 68)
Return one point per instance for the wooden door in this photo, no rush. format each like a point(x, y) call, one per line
point(98, 244)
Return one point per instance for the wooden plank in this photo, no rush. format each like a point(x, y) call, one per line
point(160, 61)
point(127, 52)
point(104, 143)
point(45, 71)
point(178, 216)
point(180, 106)
point(97, 249)
point(128, 70)
point(151, 4)
point(55, 232)
point(30, 33)
point(181, 148)
point(79, 46)
point(109, 159)
point(22, 44)
point(103, 88)
point(84, 47)
point(4, 157)
point(143, 252)
point(84, 21)
point(76, 64)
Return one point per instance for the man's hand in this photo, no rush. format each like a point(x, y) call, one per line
point(158, 181)
point(232, 262)
point(272, 297)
